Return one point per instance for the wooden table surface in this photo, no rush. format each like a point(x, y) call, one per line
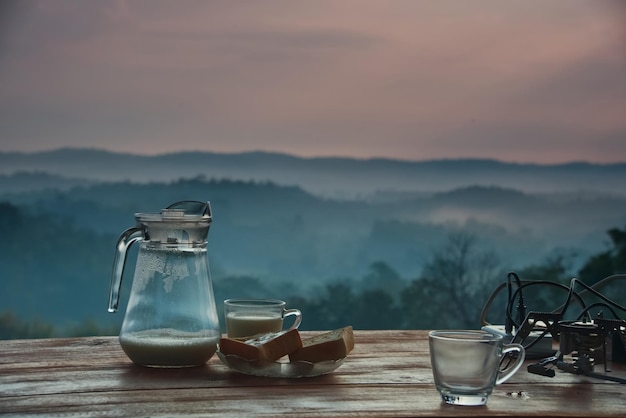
point(387, 374)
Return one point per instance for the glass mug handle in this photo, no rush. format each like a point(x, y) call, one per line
point(297, 319)
point(510, 371)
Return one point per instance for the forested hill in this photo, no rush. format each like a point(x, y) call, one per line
point(58, 244)
point(328, 177)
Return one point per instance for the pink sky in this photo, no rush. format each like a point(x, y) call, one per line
point(526, 81)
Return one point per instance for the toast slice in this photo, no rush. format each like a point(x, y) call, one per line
point(332, 345)
point(267, 347)
point(239, 348)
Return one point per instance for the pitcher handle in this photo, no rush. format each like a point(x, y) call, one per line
point(123, 243)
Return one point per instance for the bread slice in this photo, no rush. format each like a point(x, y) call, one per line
point(332, 345)
point(267, 347)
point(239, 348)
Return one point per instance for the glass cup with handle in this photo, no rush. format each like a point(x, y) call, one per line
point(466, 364)
point(248, 317)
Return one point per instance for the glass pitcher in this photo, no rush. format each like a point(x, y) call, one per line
point(171, 318)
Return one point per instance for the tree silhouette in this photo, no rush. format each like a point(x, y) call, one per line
point(382, 277)
point(556, 268)
point(375, 309)
point(453, 287)
point(12, 328)
point(606, 263)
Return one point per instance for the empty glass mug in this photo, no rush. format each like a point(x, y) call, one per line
point(466, 364)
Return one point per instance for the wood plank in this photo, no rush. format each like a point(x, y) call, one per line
point(388, 374)
point(374, 400)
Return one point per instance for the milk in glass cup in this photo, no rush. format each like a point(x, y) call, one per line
point(248, 317)
point(466, 364)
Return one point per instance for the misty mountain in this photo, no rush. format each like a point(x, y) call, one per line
point(279, 226)
point(327, 177)
point(26, 181)
point(285, 233)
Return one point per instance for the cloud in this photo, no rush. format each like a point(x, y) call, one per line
point(406, 79)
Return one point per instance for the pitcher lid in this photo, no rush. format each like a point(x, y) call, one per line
point(179, 223)
point(186, 211)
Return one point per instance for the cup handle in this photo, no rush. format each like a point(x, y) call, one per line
point(510, 371)
point(297, 319)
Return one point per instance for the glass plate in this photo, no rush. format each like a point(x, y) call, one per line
point(277, 369)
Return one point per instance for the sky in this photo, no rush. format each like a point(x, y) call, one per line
point(517, 80)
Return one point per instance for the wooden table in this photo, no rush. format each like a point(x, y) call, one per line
point(387, 374)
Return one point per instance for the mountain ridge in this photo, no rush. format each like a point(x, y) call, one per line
point(338, 177)
point(260, 153)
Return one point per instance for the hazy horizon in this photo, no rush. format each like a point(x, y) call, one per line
point(310, 157)
point(515, 81)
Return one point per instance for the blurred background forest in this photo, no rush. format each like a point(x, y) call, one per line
point(384, 165)
point(390, 262)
